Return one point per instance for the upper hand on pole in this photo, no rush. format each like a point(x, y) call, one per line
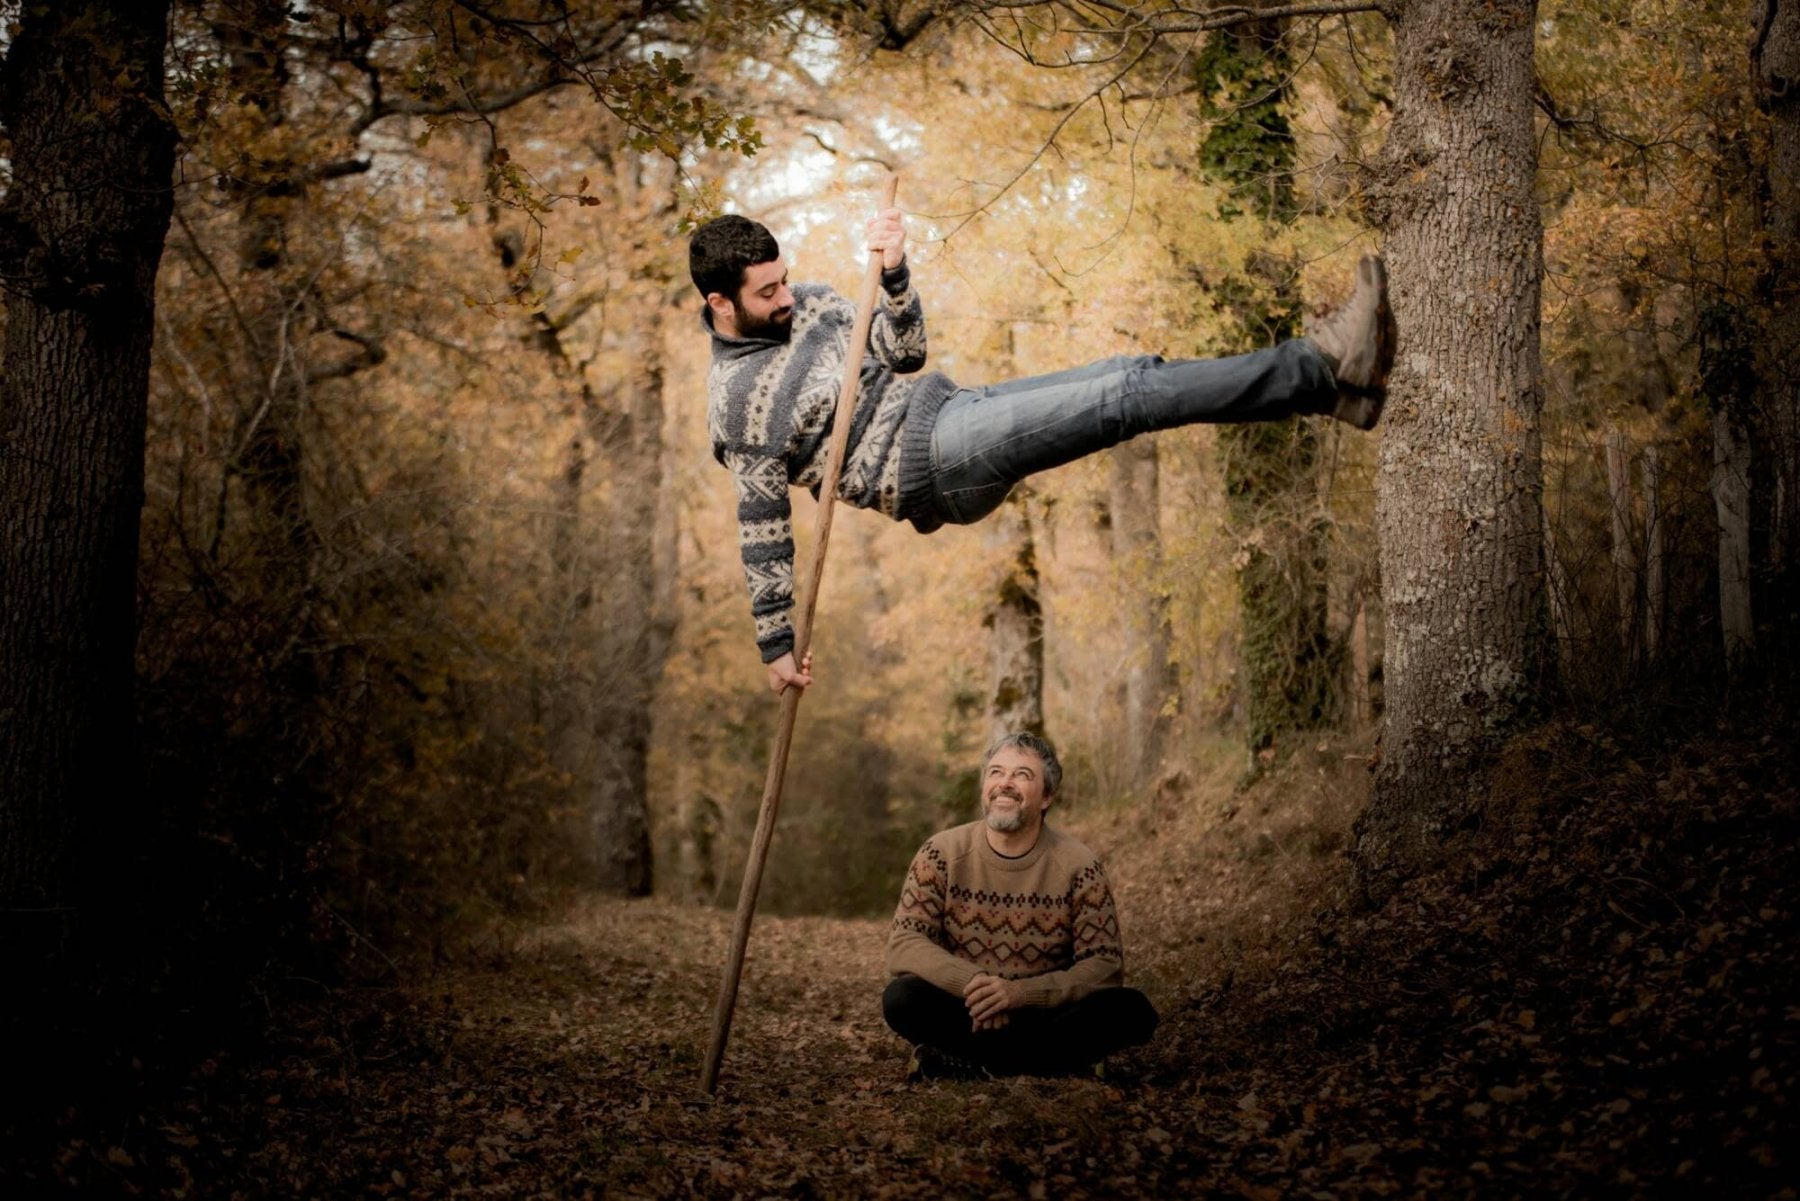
point(887, 233)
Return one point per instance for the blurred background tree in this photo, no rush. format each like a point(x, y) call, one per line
point(439, 614)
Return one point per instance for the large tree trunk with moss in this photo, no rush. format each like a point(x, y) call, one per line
point(1290, 662)
point(81, 233)
point(1775, 63)
point(1459, 512)
point(1290, 668)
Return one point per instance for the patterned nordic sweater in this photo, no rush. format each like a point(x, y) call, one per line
point(1046, 917)
point(769, 408)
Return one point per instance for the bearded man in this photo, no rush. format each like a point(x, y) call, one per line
point(1005, 953)
point(924, 450)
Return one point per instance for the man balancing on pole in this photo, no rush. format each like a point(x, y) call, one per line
point(924, 450)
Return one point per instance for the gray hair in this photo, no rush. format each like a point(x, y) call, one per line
point(1025, 740)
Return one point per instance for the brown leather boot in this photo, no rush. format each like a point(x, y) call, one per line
point(1358, 341)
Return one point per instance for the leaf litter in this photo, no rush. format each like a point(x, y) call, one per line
point(1596, 998)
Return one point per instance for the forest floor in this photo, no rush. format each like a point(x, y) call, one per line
point(1598, 1000)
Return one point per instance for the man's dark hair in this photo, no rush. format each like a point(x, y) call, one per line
point(720, 250)
point(1025, 740)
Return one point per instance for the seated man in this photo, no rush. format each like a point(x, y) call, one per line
point(1005, 952)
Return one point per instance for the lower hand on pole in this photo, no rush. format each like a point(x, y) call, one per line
point(784, 675)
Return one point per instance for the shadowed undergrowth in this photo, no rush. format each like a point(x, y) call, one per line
point(1598, 999)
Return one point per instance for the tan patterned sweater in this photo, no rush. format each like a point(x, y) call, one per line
point(1046, 917)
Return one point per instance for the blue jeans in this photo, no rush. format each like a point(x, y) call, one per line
point(988, 439)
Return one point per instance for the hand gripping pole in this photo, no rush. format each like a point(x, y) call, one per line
point(790, 699)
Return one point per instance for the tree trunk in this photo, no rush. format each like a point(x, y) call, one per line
point(1459, 514)
point(1557, 585)
point(270, 443)
point(633, 587)
point(1015, 623)
point(81, 233)
point(1015, 616)
point(1624, 542)
point(1290, 663)
point(1291, 668)
point(613, 553)
point(1728, 381)
point(1150, 682)
point(1731, 502)
point(1775, 64)
point(1655, 571)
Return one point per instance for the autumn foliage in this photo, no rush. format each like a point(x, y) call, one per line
point(447, 730)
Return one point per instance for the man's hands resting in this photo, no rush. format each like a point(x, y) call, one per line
point(988, 998)
point(784, 675)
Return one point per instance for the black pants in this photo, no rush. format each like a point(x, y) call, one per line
point(1034, 1041)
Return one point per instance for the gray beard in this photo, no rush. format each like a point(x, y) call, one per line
point(1005, 824)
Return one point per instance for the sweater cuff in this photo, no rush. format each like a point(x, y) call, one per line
point(776, 645)
point(958, 975)
point(896, 281)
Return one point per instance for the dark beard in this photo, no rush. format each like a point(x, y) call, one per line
point(772, 330)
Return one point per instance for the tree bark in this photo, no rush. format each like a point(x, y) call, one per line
point(281, 310)
point(1291, 667)
point(1728, 381)
point(1015, 623)
point(1775, 65)
point(81, 234)
point(1290, 664)
point(1624, 542)
point(1557, 585)
point(634, 587)
point(1459, 512)
point(612, 547)
point(1150, 681)
point(1732, 462)
point(1655, 570)
point(1015, 615)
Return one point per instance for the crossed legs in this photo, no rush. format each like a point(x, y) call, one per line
point(1035, 1041)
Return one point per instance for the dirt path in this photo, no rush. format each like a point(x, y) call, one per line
point(1596, 1000)
point(576, 1070)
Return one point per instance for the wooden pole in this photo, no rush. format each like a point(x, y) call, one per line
point(790, 699)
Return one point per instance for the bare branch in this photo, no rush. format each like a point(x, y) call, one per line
point(1129, 19)
point(467, 105)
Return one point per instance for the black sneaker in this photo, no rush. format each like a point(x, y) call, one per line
point(1358, 342)
point(930, 1063)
